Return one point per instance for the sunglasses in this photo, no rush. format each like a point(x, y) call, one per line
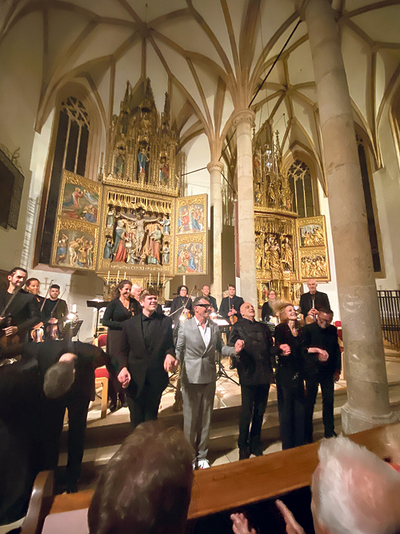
point(203, 305)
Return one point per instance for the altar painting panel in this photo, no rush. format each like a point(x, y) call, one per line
point(192, 214)
point(75, 245)
point(191, 255)
point(79, 198)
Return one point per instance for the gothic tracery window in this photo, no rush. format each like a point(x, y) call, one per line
point(369, 204)
point(71, 149)
point(301, 185)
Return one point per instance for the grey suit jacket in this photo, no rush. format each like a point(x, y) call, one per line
point(197, 360)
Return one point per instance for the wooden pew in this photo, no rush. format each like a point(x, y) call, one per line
point(233, 486)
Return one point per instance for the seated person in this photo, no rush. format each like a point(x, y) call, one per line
point(146, 486)
point(353, 491)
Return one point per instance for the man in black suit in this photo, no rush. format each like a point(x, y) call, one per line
point(230, 305)
point(18, 312)
point(322, 366)
point(54, 307)
point(313, 300)
point(147, 355)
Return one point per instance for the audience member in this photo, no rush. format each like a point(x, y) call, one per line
point(146, 486)
point(353, 492)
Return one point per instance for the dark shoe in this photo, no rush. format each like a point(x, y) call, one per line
point(113, 407)
point(257, 451)
point(72, 487)
point(244, 454)
point(331, 435)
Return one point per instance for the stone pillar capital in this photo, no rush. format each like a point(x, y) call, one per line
point(244, 115)
point(215, 166)
point(300, 7)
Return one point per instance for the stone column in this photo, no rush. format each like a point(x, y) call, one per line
point(367, 389)
point(243, 121)
point(215, 169)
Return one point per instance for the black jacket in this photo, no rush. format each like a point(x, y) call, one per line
point(313, 335)
point(320, 299)
point(22, 312)
point(145, 364)
point(228, 303)
point(289, 369)
point(254, 361)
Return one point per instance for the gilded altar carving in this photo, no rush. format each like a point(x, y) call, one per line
point(313, 249)
point(143, 145)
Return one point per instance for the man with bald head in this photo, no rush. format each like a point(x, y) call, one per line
point(313, 300)
point(254, 367)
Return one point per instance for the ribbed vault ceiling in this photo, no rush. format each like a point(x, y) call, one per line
point(211, 56)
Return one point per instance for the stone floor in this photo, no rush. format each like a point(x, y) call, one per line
point(105, 435)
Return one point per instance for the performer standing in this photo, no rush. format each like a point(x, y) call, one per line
point(147, 355)
point(230, 305)
point(322, 367)
point(313, 300)
point(290, 378)
point(54, 307)
point(267, 310)
point(255, 376)
point(198, 339)
point(119, 310)
point(181, 305)
point(19, 311)
point(32, 285)
point(205, 290)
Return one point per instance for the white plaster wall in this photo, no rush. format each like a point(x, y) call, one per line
point(387, 191)
point(330, 288)
point(20, 85)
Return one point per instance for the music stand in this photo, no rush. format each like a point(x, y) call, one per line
point(71, 329)
point(98, 304)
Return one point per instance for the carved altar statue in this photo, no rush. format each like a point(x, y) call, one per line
point(142, 152)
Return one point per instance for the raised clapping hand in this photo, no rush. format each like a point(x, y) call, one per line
point(239, 345)
point(124, 377)
point(292, 526)
point(322, 354)
point(170, 363)
point(240, 524)
point(285, 348)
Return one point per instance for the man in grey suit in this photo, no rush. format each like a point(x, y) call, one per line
point(198, 339)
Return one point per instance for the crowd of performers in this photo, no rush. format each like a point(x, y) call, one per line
point(38, 381)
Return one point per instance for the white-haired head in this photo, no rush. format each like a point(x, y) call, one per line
point(354, 491)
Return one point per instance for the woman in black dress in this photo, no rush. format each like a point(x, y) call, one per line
point(121, 308)
point(289, 378)
point(181, 305)
point(267, 309)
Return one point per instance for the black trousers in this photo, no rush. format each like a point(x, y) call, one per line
point(327, 388)
point(291, 406)
point(53, 413)
point(254, 402)
point(145, 406)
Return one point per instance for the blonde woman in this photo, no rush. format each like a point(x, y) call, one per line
point(289, 378)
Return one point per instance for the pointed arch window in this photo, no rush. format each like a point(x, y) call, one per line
point(301, 185)
point(70, 153)
point(369, 196)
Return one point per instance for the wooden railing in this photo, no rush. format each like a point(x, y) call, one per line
point(389, 305)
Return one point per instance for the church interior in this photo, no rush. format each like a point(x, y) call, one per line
point(246, 142)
